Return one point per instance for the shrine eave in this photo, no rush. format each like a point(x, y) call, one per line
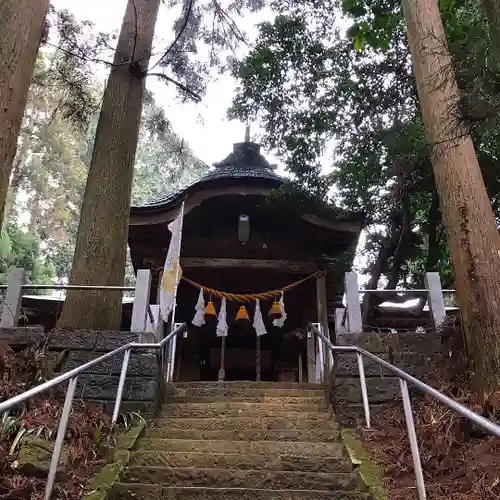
point(222, 177)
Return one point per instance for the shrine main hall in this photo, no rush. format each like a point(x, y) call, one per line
point(237, 240)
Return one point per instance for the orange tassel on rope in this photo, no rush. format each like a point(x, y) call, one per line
point(210, 310)
point(275, 311)
point(242, 314)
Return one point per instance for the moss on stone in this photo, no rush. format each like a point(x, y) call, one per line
point(128, 440)
point(111, 473)
point(106, 477)
point(122, 457)
point(96, 495)
point(371, 474)
point(35, 455)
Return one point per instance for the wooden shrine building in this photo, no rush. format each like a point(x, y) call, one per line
point(234, 240)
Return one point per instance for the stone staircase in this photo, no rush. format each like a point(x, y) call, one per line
point(241, 440)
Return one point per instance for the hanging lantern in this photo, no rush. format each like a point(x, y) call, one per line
point(210, 310)
point(275, 311)
point(242, 314)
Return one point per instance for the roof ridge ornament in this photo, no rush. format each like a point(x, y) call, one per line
point(246, 156)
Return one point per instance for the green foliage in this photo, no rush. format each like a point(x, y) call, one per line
point(164, 162)
point(376, 23)
point(23, 249)
point(344, 118)
point(50, 171)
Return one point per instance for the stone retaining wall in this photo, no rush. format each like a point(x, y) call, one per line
point(412, 352)
point(68, 349)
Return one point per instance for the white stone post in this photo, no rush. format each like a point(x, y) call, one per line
point(353, 304)
point(11, 307)
point(141, 302)
point(436, 299)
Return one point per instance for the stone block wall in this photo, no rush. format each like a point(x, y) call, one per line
point(412, 352)
point(68, 349)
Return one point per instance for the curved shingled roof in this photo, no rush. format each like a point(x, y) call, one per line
point(244, 163)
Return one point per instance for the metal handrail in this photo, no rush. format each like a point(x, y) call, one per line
point(404, 380)
point(72, 377)
point(124, 288)
point(402, 290)
point(55, 286)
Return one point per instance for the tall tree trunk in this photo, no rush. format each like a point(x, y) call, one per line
point(101, 243)
point(470, 226)
point(22, 23)
point(16, 177)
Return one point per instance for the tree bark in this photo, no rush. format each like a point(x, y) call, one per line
point(468, 219)
point(101, 244)
point(22, 23)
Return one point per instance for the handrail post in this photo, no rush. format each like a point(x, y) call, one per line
point(172, 358)
point(172, 352)
point(311, 357)
point(320, 363)
point(353, 304)
point(322, 358)
point(170, 344)
point(11, 307)
point(121, 386)
point(412, 436)
point(435, 299)
point(141, 303)
point(61, 434)
point(364, 390)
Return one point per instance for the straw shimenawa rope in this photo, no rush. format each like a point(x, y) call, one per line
point(251, 297)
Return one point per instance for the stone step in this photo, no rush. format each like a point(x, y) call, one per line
point(241, 461)
point(130, 491)
point(248, 397)
point(331, 450)
point(235, 478)
point(234, 409)
point(249, 434)
point(245, 384)
point(227, 390)
point(291, 421)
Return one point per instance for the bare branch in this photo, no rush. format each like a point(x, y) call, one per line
point(189, 10)
point(196, 97)
point(84, 58)
point(230, 22)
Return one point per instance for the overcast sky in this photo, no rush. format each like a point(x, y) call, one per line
point(203, 125)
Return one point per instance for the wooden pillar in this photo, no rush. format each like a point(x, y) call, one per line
point(222, 371)
point(323, 316)
point(322, 303)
